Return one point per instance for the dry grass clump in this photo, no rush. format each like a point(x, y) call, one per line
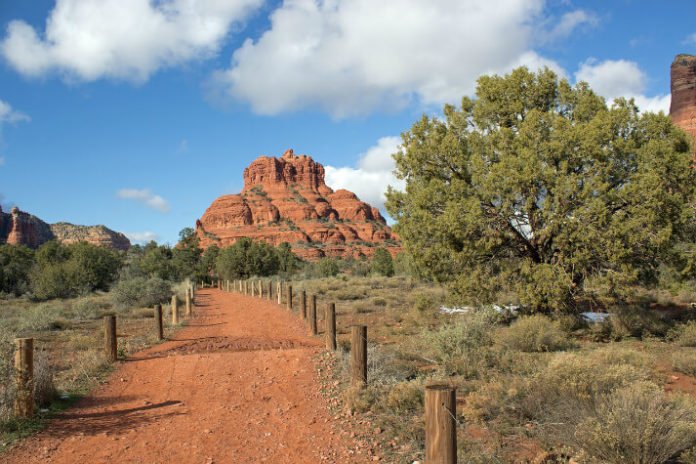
point(686, 334)
point(684, 361)
point(636, 423)
point(535, 334)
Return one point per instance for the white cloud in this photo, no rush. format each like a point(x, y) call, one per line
point(351, 57)
point(145, 197)
point(691, 39)
point(7, 114)
point(122, 39)
point(369, 180)
point(142, 237)
point(621, 78)
point(568, 23)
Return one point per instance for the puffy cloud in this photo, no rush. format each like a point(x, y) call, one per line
point(123, 39)
point(351, 57)
point(142, 237)
point(568, 23)
point(7, 114)
point(621, 78)
point(145, 197)
point(691, 39)
point(374, 172)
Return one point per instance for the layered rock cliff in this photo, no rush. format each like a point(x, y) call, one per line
point(683, 86)
point(286, 200)
point(20, 228)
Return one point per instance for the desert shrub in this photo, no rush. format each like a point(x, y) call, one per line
point(464, 347)
point(43, 316)
point(684, 361)
point(327, 267)
point(635, 321)
point(686, 334)
point(44, 388)
point(405, 397)
point(15, 264)
point(141, 291)
point(535, 333)
point(88, 308)
point(637, 424)
point(379, 302)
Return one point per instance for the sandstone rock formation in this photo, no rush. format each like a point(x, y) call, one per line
point(99, 235)
point(286, 200)
point(683, 106)
point(20, 228)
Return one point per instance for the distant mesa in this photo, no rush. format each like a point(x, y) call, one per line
point(20, 228)
point(683, 88)
point(285, 199)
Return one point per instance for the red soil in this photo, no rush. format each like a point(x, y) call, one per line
point(237, 385)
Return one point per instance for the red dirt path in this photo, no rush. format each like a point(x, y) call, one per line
point(237, 385)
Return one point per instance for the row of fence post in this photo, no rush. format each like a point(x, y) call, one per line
point(440, 399)
point(24, 352)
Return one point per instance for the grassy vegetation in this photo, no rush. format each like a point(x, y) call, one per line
point(68, 345)
point(530, 387)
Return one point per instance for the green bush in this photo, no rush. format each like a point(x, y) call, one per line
point(535, 333)
point(382, 263)
point(141, 292)
point(635, 321)
point(327, 267)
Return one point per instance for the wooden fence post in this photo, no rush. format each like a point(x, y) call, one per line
point(261, 289)
point(289, 302)
point(175, 310)
point(270, 290)
point(303, 305)
point(110, 338)
point(330, 320)
point(279, 291)
point(159, 328)
point(358, 355)
point(313, 315)
point(188, 304)
point(440, 424)
point(24, 377)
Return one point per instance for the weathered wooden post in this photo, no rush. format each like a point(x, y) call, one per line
point(110, 338)
point(440, 424)
point(24, 377)
point(175, 310)
point(228, 286)
point(303, 305)
point(358, 355)
point(279, 291)
point(252, 288)
point(330, 320)
point(270, 290)
point(159, 328)
point(313, 315)
point(289, 302)
point(261, 289)
point(188, 304)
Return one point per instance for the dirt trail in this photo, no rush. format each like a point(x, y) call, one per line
point(237, 385)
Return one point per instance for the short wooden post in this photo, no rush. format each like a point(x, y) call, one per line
point(289, 296)
point(110, 338)
point(303, 305)
point(313, 315)
point(440, 424)
point(24, 377)
point(261, 289)
point(279, 291)
point(330, 320)
point(358, 355)
point(228, 285)
point(159, 328)
point(270, 290)
point(188, 304)
point(175, 310)
point(252, 289)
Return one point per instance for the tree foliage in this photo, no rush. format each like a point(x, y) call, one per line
point(382, 263)
point(539, 187)
point(247, 258)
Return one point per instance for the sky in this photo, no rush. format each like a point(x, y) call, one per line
point(137, 114)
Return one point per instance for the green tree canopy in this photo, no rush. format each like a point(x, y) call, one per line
point(382, 263)
point(540, 187)
point(247, 258)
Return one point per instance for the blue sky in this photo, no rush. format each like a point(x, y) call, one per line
point(137, 114)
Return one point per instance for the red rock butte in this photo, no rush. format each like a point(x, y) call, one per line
point(683, 87)
point(286, 200)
